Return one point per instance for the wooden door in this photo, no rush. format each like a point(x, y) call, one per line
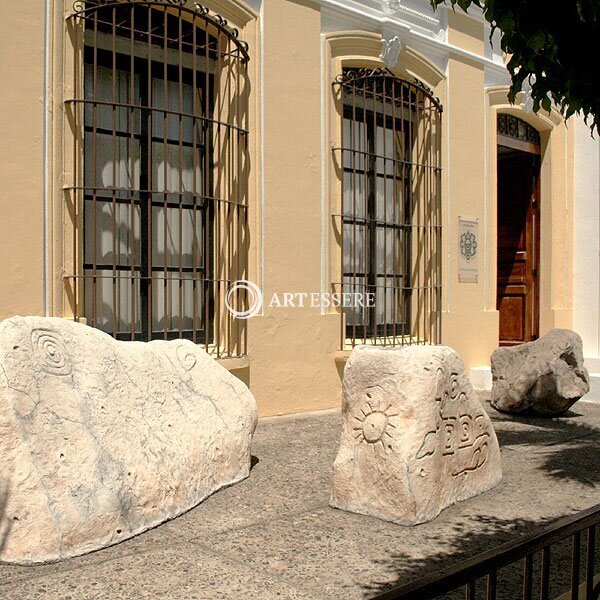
point(518, 245)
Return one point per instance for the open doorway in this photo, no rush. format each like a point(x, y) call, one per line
point(518, 284)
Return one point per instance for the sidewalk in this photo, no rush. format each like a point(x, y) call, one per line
point(274, 535)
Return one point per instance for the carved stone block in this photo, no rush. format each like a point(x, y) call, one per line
point(543, 377)
point(415, 439)
point(101, 439)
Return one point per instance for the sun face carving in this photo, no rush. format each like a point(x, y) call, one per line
point(374, 424)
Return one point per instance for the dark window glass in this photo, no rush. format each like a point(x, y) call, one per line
point(391, 209)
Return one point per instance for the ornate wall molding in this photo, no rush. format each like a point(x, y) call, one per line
point(527, 100)
point(542, 121)
point(366, 48)
point(390, 51)
point(390, 6)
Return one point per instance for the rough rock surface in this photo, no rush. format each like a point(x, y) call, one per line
point(415, 439)
point(101, 439)
point(546, 376)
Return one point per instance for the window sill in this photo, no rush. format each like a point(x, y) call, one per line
point(341, 355)
point(231, 363)
point(379, 342)
point(235, 363)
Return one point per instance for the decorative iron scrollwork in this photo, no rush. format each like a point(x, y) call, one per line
point(423, 87)
point(201, 10)
point(82, 7)
point(221, 21)
point(349, 77)
point(516, 128)
point(160, 62)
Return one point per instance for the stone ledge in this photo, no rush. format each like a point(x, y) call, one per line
point(341, 355)
point(234, 363)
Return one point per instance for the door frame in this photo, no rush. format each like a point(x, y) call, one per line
point(556, 188)
point(534, 149)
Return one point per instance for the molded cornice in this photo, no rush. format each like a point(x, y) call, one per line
point(364, 44)
point(235, 11)
point(543, 121)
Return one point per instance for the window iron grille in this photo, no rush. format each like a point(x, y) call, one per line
point(390, 225)
point(515, 128)
point(159, 204)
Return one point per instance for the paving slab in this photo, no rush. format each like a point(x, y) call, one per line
point(180, 572)
point(274, 535)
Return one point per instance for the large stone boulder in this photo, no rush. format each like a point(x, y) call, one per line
point(101, 439)
point(543, 377)
point(415, 439)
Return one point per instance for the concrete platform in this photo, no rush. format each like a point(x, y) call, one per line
point(274, 535)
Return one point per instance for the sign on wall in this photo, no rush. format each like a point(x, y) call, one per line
point(468, 250)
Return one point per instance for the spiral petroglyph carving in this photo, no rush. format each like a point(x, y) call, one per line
point(127, 441)
point(51, 352)
point(186, 358)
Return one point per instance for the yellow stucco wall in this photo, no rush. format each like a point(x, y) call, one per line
point(291, 349)
point(21, 157)
point(293, 362)
point(468, 326)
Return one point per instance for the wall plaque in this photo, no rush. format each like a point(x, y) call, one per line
point(468, 250)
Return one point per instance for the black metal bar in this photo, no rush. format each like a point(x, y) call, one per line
point(436, 584)
point(575, 565)
point(492, 584)
point(156, 109)
point(143, 181)
point(589, 563)
point(371, 232)
point(145, 99)
point(528, 578)
point(545, 574)
point(388, 156)
point(470, 590)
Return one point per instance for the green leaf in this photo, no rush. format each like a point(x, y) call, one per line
point(546, 104)
point(549, 42)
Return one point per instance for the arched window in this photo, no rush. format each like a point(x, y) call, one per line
point(391, 209)
point(160, 206)
point(517, 129)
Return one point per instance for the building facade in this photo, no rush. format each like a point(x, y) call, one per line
point(357, 162)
